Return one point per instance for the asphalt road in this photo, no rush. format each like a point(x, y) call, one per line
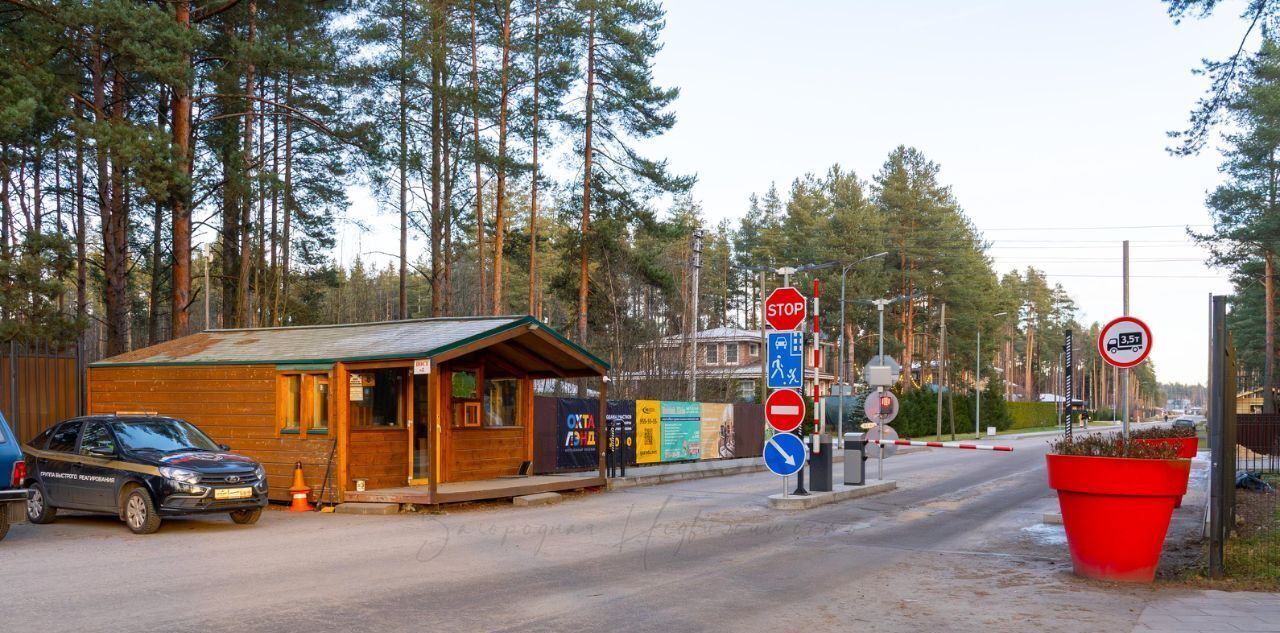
point(958, 547)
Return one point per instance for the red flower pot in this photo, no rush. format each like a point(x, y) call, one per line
point(1187, 446)
point(1116, 511)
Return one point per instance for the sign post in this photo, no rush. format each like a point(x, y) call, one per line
point(1068, 368)
point(784, 310)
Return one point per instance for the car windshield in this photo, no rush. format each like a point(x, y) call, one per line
point(165, 435)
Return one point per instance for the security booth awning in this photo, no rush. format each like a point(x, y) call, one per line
point(417, 404)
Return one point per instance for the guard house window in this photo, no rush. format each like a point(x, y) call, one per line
point(378, 398)
point(731, 354)
point(713, 354)
point(502, 402)
point(319, 403)
point(303, 402)
point(753, 349)
point(292, 402)
point(466, 399)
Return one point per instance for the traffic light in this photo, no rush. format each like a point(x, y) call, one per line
point(886, 403)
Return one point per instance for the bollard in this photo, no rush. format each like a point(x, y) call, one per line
point(855, 459)
point(820, 467)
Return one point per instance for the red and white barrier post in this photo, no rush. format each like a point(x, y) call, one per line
point(979, 447)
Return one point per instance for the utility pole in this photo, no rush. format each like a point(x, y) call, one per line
point(1125, 377)
point(697, 273)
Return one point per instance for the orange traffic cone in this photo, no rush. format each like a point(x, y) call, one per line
point(299, 491)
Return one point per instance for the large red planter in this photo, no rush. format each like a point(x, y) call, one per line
point(1187, 446)
point(1116, 511)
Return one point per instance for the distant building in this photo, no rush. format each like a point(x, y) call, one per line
point(728, 366)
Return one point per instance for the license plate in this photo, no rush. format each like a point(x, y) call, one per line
point(232, 493)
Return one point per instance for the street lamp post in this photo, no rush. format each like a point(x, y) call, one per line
point(844, 358)
point(977, 382)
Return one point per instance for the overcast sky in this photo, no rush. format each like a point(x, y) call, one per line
point(1049, 121)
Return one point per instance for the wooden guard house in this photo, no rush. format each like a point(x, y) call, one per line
point(422, 411)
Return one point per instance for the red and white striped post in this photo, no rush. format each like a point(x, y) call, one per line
point(816, 418)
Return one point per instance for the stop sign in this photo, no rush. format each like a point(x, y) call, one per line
point(785, 308)
point(784, 410)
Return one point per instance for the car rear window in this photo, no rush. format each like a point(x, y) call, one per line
point(3, 438)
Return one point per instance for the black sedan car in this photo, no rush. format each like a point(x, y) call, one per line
point(140, 468)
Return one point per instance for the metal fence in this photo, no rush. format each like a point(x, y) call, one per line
point(1244, 506)
point(40, 385)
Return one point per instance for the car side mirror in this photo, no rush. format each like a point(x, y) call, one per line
point(224, 447)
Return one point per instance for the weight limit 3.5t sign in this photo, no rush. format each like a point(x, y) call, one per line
point(1125, 342)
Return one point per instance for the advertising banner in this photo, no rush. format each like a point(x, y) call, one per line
point(577, 433)
point(681, 431)
point(648, 431)
point(717, 431)
point(621, 417)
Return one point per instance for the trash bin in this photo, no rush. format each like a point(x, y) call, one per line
point(855, 458)
point(820, 466)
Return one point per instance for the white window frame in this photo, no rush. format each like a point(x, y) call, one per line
point(727, 347)
point(711, 355)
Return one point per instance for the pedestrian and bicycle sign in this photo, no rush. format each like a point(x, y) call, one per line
point(1125, 342)
point(786, 360)
point(784, 410)
point(784, 454)
point(785, 308)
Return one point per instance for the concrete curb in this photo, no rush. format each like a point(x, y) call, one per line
point(840, 492)
point(755, 465)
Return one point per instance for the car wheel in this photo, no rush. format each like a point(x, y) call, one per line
point(140, 512)
point(38, 508)
point(246, 517)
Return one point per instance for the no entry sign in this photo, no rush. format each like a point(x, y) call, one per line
point(1125, 342)
point(785, 309)
point(784, 410)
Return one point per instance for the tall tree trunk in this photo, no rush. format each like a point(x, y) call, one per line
point(583, 272)
point(180, 316)
point(500, 201)
point(1028, 391)
point(286, 237)
point(275, 206)
point(439, 48)
point(533, 185)
point(246, 208)
point(157, 233)
point(82, 297)
point(115, 221)
point(475, 126)
point(403, 111)
point(1269, 360)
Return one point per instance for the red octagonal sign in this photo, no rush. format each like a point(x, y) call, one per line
point(785, 308)
point(784, 410)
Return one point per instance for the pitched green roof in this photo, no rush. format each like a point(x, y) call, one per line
point(318, 344)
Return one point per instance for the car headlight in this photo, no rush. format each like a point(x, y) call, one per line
point(180, 475)
point(259, 472)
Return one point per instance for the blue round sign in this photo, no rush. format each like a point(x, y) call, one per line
point(784, 454)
